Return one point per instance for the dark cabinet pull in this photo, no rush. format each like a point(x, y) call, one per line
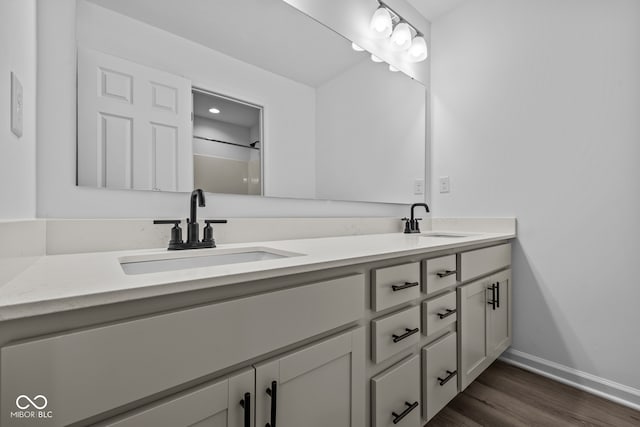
point(406, 285)
point(410, 407)
point(246, 405)
point(492, 303)
point(447, 314)
point(498, 294)
point(408, 333)
point(450, 374)
point(273, 393)
point(446, 273)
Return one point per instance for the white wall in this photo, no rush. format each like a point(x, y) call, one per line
point(370, 135)
point(17, 155)
point(57, 194)
point(536, 114)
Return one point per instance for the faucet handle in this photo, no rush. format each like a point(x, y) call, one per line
point(176, 231)
point(167, 221)
point(208, 230)
point(215, 221)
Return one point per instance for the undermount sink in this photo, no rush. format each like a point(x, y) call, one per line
point(157, 263)
point(445, 234)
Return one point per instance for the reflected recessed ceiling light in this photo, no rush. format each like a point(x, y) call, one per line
point(214, 111)
point(356, 47)
point(393, 69)
point(375, 58)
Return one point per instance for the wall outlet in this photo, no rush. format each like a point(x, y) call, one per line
point(444, 184)
point(418, 186)
point(16, 106)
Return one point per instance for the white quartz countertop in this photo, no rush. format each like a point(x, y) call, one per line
point(56, 283)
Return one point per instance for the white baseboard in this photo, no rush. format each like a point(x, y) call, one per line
point(610, 390)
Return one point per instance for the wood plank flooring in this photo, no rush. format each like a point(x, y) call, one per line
point(505, 395)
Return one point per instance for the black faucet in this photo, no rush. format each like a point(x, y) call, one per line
point(193, 229)
point(197, 195)
point(411, 225)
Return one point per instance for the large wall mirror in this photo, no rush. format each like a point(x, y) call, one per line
point(244, 97)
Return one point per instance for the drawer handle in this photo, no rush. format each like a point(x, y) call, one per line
point(406, 285)
point(492, 303)
point(451, 374)
point(447, 314)
point(410, 407)
point(446, 273)
point(408, 333)
point(246, 405)
point(498, 294)
point(273, 393)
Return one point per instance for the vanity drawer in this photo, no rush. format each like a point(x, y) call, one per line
point(482, 261)
point(440, 273)
point(440, 379)
point(395, 332)
point(109, 366)
point(395, 393)
point(438, 313)
point(395, 285)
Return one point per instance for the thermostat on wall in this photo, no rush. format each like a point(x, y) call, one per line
point(16, 105)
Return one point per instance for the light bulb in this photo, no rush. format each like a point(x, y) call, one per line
point(356, 47)
point(418, 50)
point(375, 58)
point(401, 37)
point(393, 69)
point(381, 25)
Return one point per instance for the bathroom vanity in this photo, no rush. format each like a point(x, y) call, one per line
point(372, 330)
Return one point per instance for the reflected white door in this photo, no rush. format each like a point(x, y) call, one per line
point(134, 125)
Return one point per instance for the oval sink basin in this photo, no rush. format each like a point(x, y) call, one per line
point(145, 264)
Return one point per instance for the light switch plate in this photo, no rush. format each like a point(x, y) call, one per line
point(16, 105)
point(444, 184)
point(418, 186)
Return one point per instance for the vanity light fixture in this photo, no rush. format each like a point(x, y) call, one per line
point(401, 37)
point(356, 47)
point(393, 69)
point(381, 24)
point(418, 50)
point(375, 58)
point(214, 111)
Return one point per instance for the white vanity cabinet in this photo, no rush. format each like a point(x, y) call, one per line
point(315, 349)
point(225, 403)
point(317, 386)
point(485, 324)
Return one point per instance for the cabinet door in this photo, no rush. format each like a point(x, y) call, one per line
point(499, 318)
point(320, 385)
point(473, 314)
point(214, 405)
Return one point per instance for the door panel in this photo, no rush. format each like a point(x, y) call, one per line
point(472, 303)
point(320, 385)
point(213, 405)
point(149, 147)
point(499, 337)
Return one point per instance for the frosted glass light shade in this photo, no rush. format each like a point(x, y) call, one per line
point(393, 69)
point(401, 37)
point(418, 50)
point(356, 47)
point(381, 25)
point(375, 58)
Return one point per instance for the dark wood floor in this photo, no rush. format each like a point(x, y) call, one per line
point(508, 396)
